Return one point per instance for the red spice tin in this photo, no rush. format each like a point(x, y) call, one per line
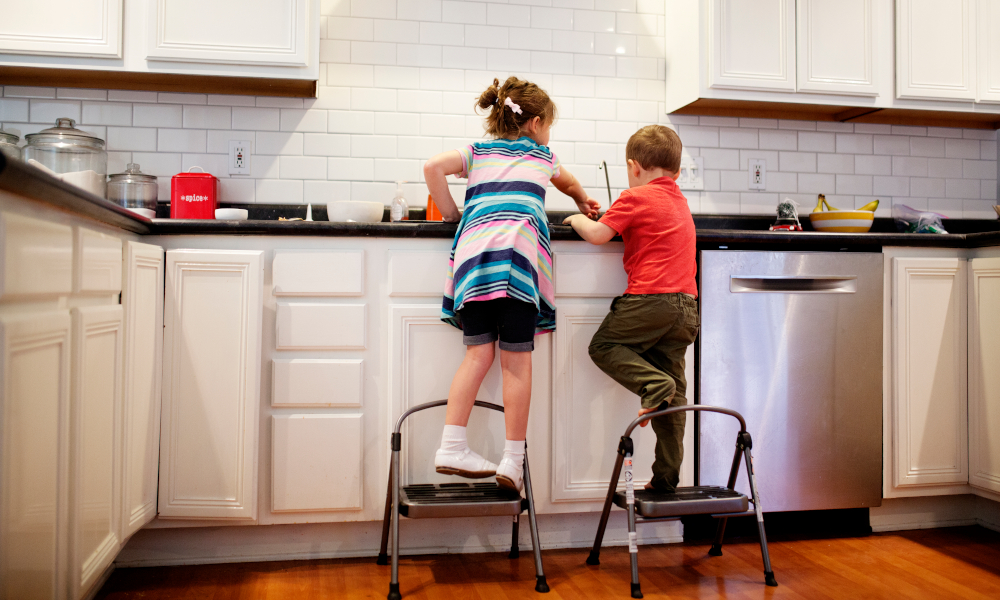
point(193, 195)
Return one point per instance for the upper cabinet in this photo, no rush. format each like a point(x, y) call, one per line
point(88, 28)
point(936, 49)
point(167, 41)
point(753, 44)
point(836, 46)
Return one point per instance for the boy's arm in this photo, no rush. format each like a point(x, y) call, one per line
point(568, 184)
point(595, 232)
point(436, 171)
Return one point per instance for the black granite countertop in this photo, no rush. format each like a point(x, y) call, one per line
point(714, 231)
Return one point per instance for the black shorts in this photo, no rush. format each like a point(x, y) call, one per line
point(510, 321)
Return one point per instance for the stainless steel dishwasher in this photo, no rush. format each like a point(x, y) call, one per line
point(793, 341)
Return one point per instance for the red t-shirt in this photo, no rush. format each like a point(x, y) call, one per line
point(656, 224)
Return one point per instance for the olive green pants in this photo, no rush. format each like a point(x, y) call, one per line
point(641, 344)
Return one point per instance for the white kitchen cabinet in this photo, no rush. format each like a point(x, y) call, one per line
point(936, 49)
point(837, 43)
point(988, 42)
point(984, 376)
point(211, 384)
point(316, 462)
point(753, 44)
point(95, 434)
point(84, 28)
point(34, 423)
point(142, 303)
point(37, 257)
point(928, 367)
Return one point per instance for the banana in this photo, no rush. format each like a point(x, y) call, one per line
point(871, 206)
point(819, 203)
point(828, 206)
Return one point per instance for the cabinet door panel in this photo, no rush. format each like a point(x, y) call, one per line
point(88, 28)
point(984, 376)
point(929, 402)
point(34, 419)
point(96, 414)
point(316, 462)
point(753, 44)
point(98, 262)
point(36, 257)
point(836, 46)
point(935, 49)
point(211, 384)
point(250, 32)
point(988, 18)
point(142, 302)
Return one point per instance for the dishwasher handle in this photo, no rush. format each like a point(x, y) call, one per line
point(781, 284)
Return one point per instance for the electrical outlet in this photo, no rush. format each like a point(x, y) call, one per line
point(692, 175)
point(239, 157)
point(758, 173)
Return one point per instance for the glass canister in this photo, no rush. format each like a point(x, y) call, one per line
point(133, 188)
point(8, 144)
point(70, 154)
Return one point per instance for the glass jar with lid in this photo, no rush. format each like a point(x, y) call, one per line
point(8, 144)
point(134, 190)
point(70, 154)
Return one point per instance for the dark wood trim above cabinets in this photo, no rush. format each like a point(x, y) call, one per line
point(844, 114)
point(157, 82)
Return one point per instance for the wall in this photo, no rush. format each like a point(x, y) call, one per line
point(399, 79)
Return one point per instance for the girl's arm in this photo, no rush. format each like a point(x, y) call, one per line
point(569, 185)
point(595, 232)
point(436, 170)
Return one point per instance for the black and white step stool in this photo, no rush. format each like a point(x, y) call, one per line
point(650, 506)
point(423, 501)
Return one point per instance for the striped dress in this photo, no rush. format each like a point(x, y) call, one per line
point(501, 249)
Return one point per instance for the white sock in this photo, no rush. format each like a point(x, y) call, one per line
point(453, 439)
point(514, 450)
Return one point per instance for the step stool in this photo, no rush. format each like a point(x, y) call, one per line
point(652, 506)
point(422, 501)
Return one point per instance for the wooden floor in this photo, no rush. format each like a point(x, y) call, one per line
point(962, 562)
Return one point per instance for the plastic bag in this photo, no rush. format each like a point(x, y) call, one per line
point(911, 220)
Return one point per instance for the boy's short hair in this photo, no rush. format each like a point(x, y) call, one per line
point(655, 146)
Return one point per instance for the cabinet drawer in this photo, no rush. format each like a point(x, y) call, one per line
point(317, 382)
point(319, 273)
point(37, 256)
point(589, 275)
point(312, 326)
point(417, 273)
point(99, 262)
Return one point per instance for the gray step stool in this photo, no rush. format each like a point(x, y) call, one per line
point(428, 501)
point(649, 506)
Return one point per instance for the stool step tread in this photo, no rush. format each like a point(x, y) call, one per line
point(696, 500)
point(458, 500)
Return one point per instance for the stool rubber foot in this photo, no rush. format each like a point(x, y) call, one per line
point(769, 579)
point(715, 550)
point(394, 592)
point(636, 592)
point(514, 553)
point(383, 559)
point(541, 586)
point(594, 558)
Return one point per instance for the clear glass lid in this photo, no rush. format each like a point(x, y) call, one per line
point(131, 174)
point(65, 134)
point(7, 137)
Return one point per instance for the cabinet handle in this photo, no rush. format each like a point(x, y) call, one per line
point(794, 285)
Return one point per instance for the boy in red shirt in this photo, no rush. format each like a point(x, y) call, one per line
point(642, 342)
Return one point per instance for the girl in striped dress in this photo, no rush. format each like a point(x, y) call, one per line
point(499, 283)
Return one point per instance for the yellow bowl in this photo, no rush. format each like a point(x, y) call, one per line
point(842, 221)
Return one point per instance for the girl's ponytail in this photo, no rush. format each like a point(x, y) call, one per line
point(513, 104)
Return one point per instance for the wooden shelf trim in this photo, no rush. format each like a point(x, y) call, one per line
point(157, 82)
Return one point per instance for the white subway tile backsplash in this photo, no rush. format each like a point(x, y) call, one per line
point(108, 113)
point(641, 111)
point(854, 143)
point(944, 167)
point(442, 34)
point(989, 135)
point(895, 145)
point(506, 15)
point(302, 167)
point(961, 148)
point(907, 130)
point(266, 119)
point(552, 18)
point(638, 67)
point(333, 51)
point(216, 164)
point(909, 166)
point(294, 119)
point(874, 165)
point(122, 95)
point(139, 139)
point(47, 111)
point(418, 55)
point(796, 162)
point(418, 147)
point(326, 144)
point(407, 32)
point(373, 99)
point(891, 186)
point(700, 136)
point(988, 150)
point(353, 29)
point(212, 117)
point(946, 132)
point(463, 58)
point(979, 169)
point(590, 20)
point(721, 158)
point(962, 188)
point(418, 102)
point(615, 43)
point(616, 132)
point(486, 36)
point(596, 109)
point(278, 191)
point(797, 125)
point(731, 137)
point(989, 190)
point(637, 24)
point(815, 141)
point(521, 38)
point(442, 79)
point(396, 77)
point(20, 91)
point(352, 75)
point(573, 85)
point(13, 109)
point(508, 60)
point(398, 170)
point(350, 169)
point(339, 121)
point(242, 191)
point(218, 140)
point(373, 146)
point(769, 157)
point(416, 10)
point(573, 130)
point(321, 192)
point(816, 183)
point(264, 166)
point(181, 140)
point(275, 142)
point(580, 42)
point(927, 187)
point(397, 123)
point(374, 53)
point(463, 12)
point(851, 185)
point(163, 165)
point(552, 62)
point(925, 146)
point(337, 98)
point(443, 125)
point(835, 127)
point(776, 139)
point(279, 102)
point(155, 115)
point(876, 128)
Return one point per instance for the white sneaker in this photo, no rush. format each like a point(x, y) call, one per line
point(464, 464)
point(510, 474)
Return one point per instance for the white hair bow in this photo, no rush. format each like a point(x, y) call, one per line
point(514, 107)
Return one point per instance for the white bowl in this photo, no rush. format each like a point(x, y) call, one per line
point(231, 214)
point(354, 211)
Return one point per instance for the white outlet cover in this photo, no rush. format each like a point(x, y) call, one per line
point(757, 173)
point(692, 175)
point(236, 149)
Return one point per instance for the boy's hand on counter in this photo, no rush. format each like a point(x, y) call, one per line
point(589, 207)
